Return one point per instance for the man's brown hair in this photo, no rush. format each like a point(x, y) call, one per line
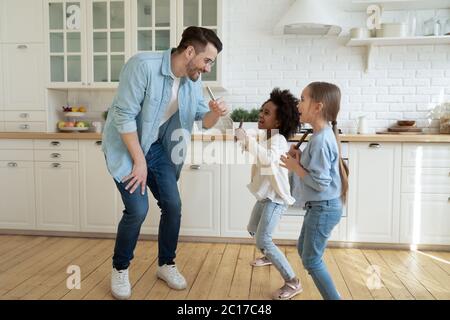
point(199, 37)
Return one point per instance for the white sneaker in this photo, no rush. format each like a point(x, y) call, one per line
point(120, 284)
point(171, 275)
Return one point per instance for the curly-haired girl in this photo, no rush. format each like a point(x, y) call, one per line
point(278, 120)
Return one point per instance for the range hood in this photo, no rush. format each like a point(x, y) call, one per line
point(310, 17)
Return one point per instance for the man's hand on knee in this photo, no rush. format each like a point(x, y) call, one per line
point(138, 177)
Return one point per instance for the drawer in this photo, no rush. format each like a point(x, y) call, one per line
point(430, 155)
point(56, 155)
point(16, 144)
point(426, 180)
point(28, 116)
point(11, 154)
point(16, 164)
point(56, 144)
point(425, 219)
point(25, 127)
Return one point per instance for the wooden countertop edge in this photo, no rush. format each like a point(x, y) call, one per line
point(436, 138)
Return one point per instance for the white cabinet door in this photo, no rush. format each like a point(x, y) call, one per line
point(2, 95)
point(200, 197)
point(374, 192)
point(108, 40)
point(17, 195)
point(66, 31)
point(98, 192)
point(237, 201)
point(199, 188)
point(425, 219)
point(22, 21)
point(57, 196)
point(22, 77)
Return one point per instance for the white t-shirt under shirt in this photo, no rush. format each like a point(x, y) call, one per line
point(173, 103)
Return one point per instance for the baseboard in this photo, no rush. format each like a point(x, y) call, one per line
point(331, 244)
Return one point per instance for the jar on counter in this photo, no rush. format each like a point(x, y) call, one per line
point(446, 28)
point(432, 27)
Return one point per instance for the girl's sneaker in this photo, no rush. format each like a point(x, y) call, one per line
point(288, 291)
point(262, 261)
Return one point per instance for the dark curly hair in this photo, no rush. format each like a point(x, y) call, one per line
point(287, 112)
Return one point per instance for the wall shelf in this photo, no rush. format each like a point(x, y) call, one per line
point(372, 43)
point(361, 5)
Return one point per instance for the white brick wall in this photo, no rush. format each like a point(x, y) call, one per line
point(406, 81)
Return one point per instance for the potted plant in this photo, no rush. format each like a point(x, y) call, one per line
point(249, 117)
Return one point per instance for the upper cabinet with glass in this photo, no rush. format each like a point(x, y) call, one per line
point(154, 25)
point(203, 13)
point(88, 42)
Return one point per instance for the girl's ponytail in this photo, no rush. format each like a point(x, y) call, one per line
point(343, 169)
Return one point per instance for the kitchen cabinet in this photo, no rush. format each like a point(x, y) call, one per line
point(98, 193)
point(22, 77)
point(374, 192)
point(88, 42)
point(17, 185)
point(57, 185)
point(154, 25)
point(425, 219)
point(425, 199)
point(237, 201)
point(17, 195)
point(200, 193)
point(22, 21)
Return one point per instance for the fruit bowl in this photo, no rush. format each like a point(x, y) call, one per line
point(72, 129)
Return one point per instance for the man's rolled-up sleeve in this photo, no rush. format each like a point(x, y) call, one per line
point(131, 93)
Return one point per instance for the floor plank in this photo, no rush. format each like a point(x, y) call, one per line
point(396, 288)
point(418, 291)
point(224, 276)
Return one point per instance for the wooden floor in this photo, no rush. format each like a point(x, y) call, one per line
point(36, 268)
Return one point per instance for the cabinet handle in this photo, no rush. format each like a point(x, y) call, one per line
point(22, 46)
point(24, 115)
point(83, 83)
point(55, 155)
point(99, 143)
point(12, 164)
point(374, 145)
point(56, 165)
point(195, 167)
point(55, 143)
point(25, 126)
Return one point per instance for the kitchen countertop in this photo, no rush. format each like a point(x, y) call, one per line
point(208, 137)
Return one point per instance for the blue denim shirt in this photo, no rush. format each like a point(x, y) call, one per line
point(144, 92)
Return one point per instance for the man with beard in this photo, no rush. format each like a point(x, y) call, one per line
point(160, 95)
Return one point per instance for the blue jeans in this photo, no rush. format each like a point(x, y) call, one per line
point(320, 219)
point(265, 217)
point(162, 181)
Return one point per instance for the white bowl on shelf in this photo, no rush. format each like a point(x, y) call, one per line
point(74, 114)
